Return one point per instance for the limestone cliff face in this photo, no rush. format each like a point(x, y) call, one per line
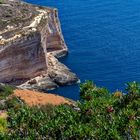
point(29, 38)
point(22, 60)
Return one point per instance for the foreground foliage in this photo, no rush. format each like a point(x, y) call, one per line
point(99, 115)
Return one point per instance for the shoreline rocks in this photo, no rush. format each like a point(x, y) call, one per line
point(58, 75)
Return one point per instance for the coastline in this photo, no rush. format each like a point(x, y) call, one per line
point(42, 40)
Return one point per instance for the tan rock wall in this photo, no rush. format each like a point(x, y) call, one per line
point(26, 57)
point(22, 60)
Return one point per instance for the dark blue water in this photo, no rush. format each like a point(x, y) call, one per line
point(103, 37)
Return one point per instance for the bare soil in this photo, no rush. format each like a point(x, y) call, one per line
point(34, 98)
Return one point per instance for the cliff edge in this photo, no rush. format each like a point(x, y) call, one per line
point(30, 43)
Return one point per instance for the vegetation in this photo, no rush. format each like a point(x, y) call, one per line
point(1, 1)
point(99, 115)
point(5, 91)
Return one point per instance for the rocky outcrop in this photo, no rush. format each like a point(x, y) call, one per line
point(57, 75)
point(30, 39)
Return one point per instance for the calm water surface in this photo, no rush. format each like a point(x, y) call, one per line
point(103, 37)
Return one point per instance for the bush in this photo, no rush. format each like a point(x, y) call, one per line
point(114, 116)
point(5, 91)
point(3, 125)
point(1, 1)
point(99, 115)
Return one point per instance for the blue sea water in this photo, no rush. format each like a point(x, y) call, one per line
point(103, 37)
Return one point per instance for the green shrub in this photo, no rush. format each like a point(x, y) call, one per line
point(99, 115)
point(3, 125)
point(5, 91)
point(1, 1)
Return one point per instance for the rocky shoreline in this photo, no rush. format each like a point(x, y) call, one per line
point(58, 75)
point(31, 42)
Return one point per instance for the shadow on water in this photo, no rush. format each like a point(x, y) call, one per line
point(69, 90)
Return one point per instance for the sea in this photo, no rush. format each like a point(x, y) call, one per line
point(103, 37)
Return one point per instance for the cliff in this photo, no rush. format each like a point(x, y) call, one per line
point(30, 43)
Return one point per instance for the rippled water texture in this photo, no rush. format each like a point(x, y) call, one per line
point(103, 37)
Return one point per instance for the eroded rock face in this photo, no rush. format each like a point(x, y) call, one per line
point(57, 75)
point(30, 37)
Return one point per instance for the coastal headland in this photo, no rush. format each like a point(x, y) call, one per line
point(31, 42)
